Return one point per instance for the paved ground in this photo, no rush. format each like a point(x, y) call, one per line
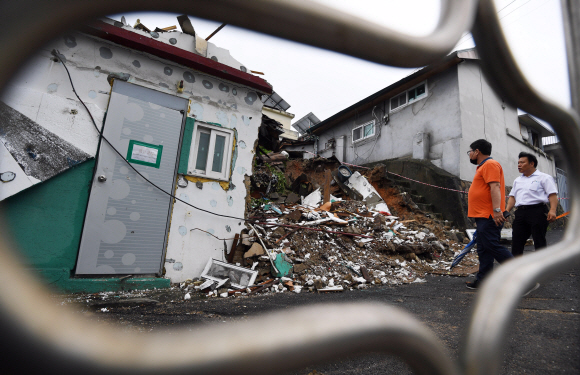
point(544, 338)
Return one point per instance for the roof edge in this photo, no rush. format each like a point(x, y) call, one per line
point(154, 47)
point(427, 71)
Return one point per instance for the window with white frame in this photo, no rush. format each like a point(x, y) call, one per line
point(409, 96)
point(363, 131)
point(211, 152)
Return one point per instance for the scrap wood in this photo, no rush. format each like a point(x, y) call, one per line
point(252, 288)
point(289, 284)
point(286, 235)
point(263, 286)
point(326, 195)
point(317, 229)
point(263, 245)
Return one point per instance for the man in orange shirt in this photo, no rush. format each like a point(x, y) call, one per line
point(486, 203)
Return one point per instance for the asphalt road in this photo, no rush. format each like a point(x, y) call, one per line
point(543, 339)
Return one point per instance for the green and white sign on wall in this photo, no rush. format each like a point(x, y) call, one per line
point(144, 153)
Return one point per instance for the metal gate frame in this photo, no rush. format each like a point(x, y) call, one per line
point(59, 342)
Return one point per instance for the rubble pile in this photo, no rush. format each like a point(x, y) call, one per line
point(295, 241)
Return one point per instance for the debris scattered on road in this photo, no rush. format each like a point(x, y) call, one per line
point(299, 243)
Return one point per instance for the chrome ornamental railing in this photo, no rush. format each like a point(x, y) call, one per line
point(39, 336)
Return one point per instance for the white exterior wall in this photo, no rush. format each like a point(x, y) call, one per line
point(485, 115)
point(42, 92)
point(436, 115)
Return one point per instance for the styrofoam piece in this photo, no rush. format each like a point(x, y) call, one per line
point(371, 197)
point(313, 199)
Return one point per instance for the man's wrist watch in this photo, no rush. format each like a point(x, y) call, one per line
point(496, 210)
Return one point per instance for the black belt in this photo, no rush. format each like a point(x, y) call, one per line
point(525, 207)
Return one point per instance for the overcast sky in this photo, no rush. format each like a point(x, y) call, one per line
point(323, 82)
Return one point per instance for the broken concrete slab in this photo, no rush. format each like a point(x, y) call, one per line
point(246, 239)
point(370, 196)
point(313, 199)
point(255, 250)
point(294, 215)
point(292, 198)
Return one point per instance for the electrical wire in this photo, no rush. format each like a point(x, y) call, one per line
point(469, 36)
point(57, 54)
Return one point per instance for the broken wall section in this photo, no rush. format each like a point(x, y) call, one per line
point(42, 92)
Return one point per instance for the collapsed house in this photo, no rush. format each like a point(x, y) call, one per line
point(179, 117)
point(317, 226)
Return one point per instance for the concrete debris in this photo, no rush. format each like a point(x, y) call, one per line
point(295, 245)
point(313, 199)
point(255, 250)
point(370, 196)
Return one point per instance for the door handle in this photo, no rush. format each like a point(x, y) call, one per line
point(102, 178)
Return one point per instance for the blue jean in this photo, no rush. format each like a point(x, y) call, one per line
point(488, 246)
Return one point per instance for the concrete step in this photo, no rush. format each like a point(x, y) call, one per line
point(426, 207)
point(403, 183)
point(436, 215)
point(408, 190)
point(418, 198)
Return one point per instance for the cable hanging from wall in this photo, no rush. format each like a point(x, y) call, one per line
point(58, 55)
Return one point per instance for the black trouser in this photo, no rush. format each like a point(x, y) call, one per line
point(488, 246)
point(529, 220)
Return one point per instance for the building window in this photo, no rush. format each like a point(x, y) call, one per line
point(211, 156)
point(409, 96)
point(363, 131)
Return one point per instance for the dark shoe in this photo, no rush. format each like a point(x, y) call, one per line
point(472, 285)
point(531, 290)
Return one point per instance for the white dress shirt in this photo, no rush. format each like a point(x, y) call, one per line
point(533, 189)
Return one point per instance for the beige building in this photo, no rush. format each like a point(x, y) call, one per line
point(275, 107)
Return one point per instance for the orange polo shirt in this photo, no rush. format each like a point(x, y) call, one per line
point(479, 198)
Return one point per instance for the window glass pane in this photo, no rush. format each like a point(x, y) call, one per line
point(394, 103)
point(402, 98)
point(202, 150)
point(356, 134)
point(420, 89)
point(369, 130)
point(412, 94)
point(218, 153)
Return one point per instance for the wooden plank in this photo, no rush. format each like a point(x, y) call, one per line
point(327, 176)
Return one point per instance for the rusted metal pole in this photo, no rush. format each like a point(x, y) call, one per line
point(216, 31)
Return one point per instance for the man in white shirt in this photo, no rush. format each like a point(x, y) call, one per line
point(530, 193)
